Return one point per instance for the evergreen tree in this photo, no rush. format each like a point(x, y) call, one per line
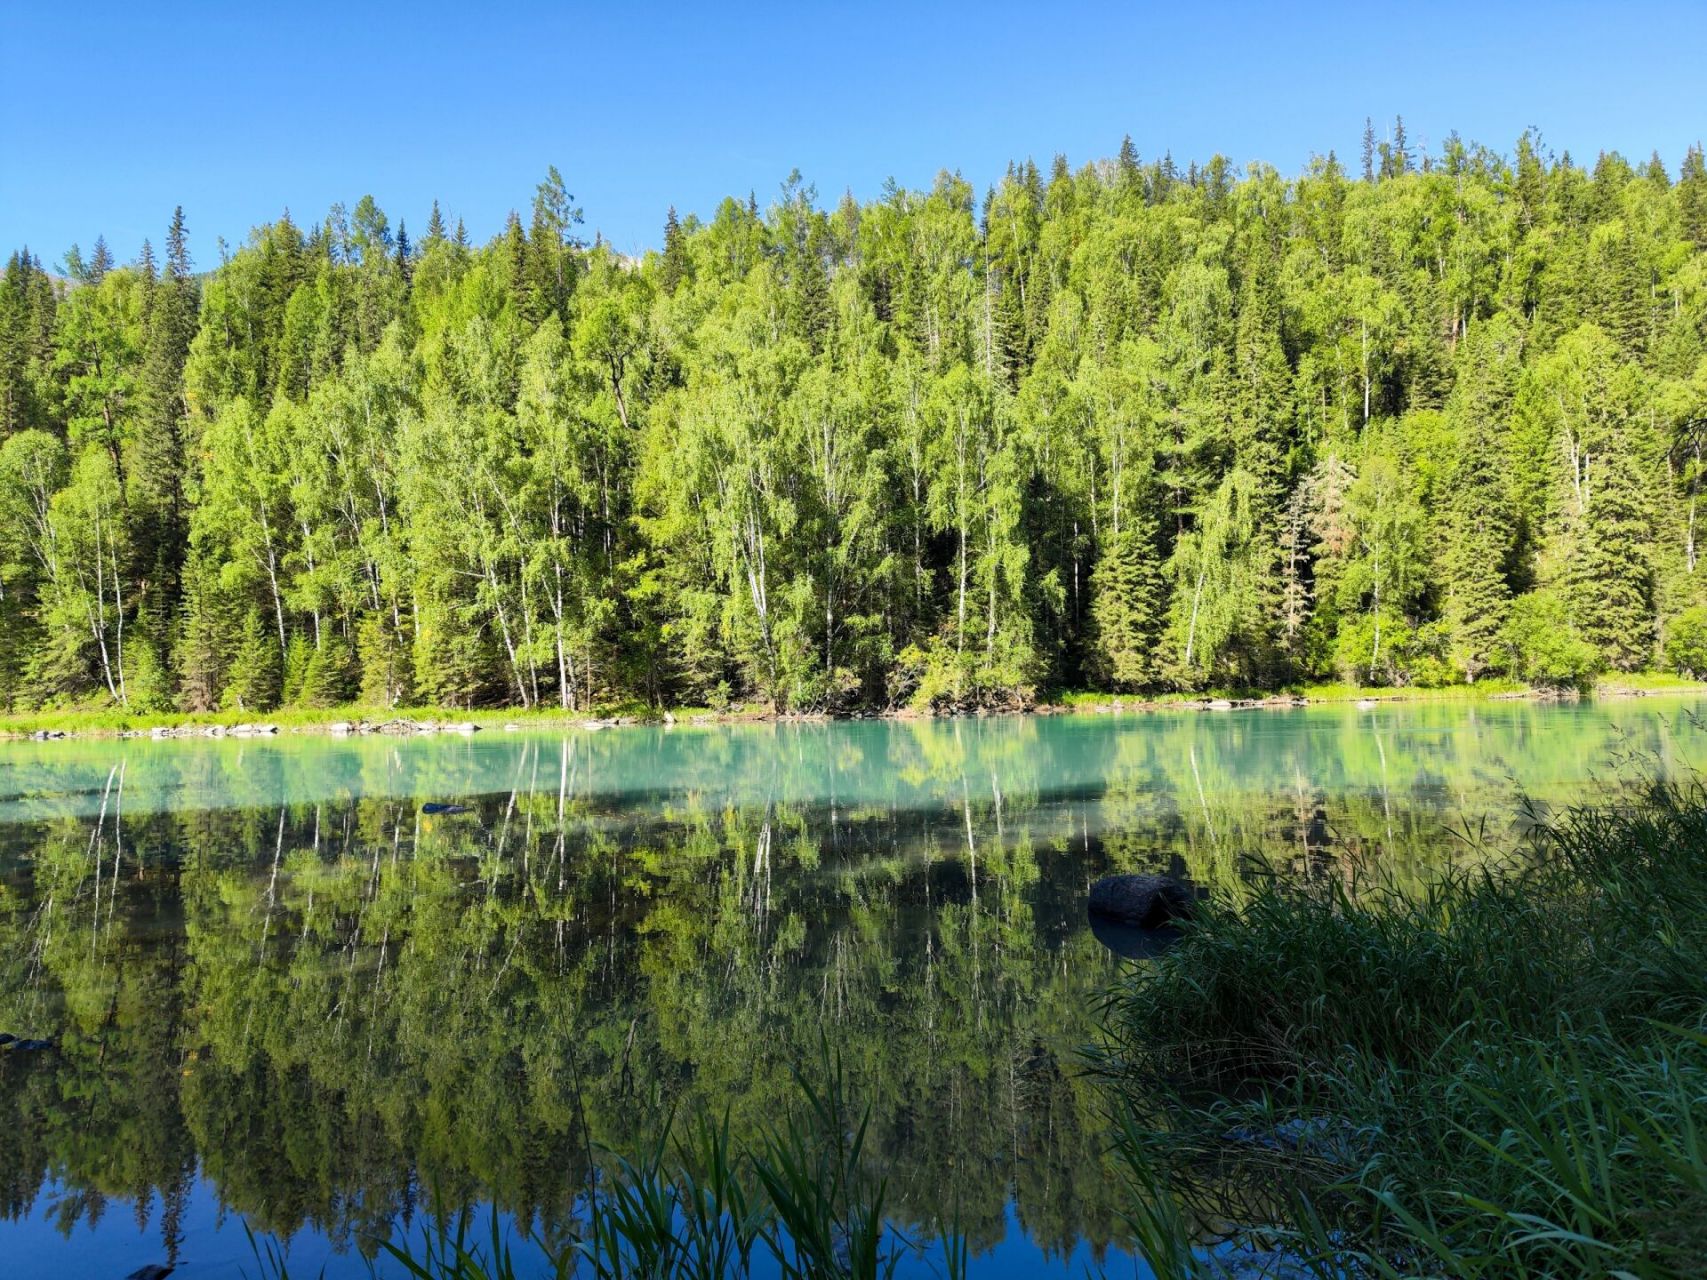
point(1479, 525)
point(256, 673)
point(158, 470)
point(1128, 610)
point(405, 256)
point(1692, 197)
point(1127, 167)
point(675, 254)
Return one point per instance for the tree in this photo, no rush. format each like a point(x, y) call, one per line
point(1129, 608)
point(1129, 424)
point(157, 472)
point(675, 254)
point(1480, 520)
point(1590, 402)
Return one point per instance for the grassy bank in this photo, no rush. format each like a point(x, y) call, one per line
point(1504, 1077)
point(105, 719)
point(109, 719)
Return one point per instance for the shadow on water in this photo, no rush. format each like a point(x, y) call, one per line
point(1129, 941)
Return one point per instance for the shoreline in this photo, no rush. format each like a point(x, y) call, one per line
point(424, 721)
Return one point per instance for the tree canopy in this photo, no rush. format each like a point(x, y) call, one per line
point(1125, 426)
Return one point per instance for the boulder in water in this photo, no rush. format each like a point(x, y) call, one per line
point(1146, 901)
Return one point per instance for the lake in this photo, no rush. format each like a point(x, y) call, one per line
point(286, 1001)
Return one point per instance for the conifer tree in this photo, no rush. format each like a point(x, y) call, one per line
point(404, 253)
point(157, 472)
point(1692, 197)
point(1127, 167)
point(1128, 609)
point(675, 254)
point(100, 261)
point(1479, 525)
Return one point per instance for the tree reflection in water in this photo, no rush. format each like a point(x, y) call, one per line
point(268, 970)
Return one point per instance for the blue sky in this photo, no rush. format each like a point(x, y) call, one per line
point(114, 113)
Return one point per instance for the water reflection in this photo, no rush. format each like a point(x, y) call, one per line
point(282, 992)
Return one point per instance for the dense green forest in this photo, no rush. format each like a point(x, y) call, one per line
point(1125, 427)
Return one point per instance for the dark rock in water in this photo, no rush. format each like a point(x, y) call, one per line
point(1146, 901)
point(444, 808)
point(153, 1271)
point(1131, 942)
point(6, 1038)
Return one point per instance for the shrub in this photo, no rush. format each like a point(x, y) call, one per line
point(1686, 642)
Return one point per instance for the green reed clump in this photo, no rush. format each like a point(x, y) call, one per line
point(800, 1202)
point(1504, 1076)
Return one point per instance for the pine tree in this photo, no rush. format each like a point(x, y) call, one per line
point(435, 227)
point(1128, 608)
point(1479, 532)
point(1368, 149)
point(518, 260)
point(1611, 573)
point(330, 677)
point(1129, 175)
point(551, 244)
point(404, 256)
point(1692, 197)
point(257, 677)
point(1262, 379)
point(1401, 148)
point(675, 254)
point(157, 472)
point(100, 261)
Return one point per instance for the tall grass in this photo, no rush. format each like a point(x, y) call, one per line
point(1506, 1076)
point(803, 1201)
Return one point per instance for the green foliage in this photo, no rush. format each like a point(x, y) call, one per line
point(1503, 1075)
point(1127, 593)
point(1542, 647)
point(257, 671)
point(1686, 642)
point(1130, 425)
point(330, 677)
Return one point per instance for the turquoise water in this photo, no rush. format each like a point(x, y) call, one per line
point(287, 1000)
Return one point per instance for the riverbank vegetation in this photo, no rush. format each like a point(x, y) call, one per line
point(1133, 426)
point(1503, 1076)
point(105, 718)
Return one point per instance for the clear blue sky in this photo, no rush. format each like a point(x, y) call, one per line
point(113, 113)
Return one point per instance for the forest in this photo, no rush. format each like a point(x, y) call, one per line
point(1125, 427)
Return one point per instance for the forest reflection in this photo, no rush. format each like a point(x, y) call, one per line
point(334, 1009)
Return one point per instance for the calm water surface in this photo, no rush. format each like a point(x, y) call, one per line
point(288, 1001)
